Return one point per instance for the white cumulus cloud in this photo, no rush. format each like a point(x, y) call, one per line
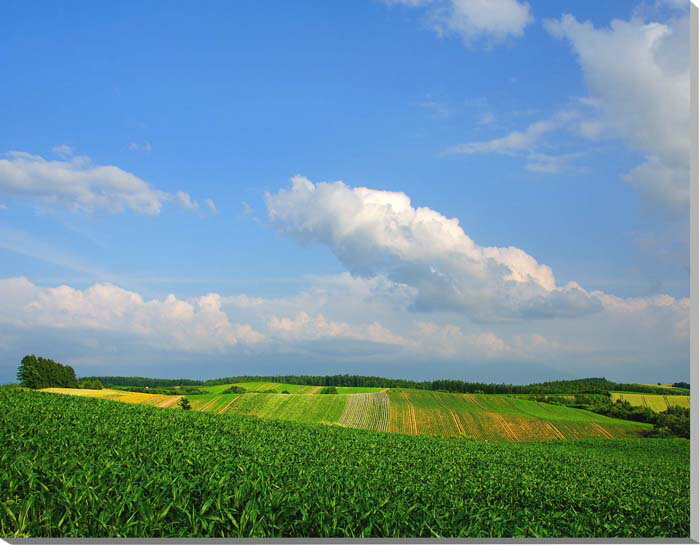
point(493, 20)
point(196, 324)
point(379, 232)
point(74, 182)
point(306, 327)
point(638, 73)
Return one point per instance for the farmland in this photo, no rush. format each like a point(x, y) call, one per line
point(657, 403)
point(267, 387)
point(406, 411)
point(79, 467)
point(155, 400)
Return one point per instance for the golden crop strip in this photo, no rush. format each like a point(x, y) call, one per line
point(602, 430)
point(556, 430)
point(222, 411)
point(509, 431)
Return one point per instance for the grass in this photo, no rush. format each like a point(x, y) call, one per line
point(79, 467)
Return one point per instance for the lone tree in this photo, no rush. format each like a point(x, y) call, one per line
point(184, 404)
point(37, 372)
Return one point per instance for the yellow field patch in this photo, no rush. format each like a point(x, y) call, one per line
point(169, 402)
point(657, 403)
point(118, 395)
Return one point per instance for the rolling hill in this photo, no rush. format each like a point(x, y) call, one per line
point(484, 417)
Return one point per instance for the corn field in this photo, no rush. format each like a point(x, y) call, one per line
point(82, 467)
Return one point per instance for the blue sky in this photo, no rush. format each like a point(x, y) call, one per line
point(141, 141)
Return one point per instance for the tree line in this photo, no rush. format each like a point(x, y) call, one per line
point(578, 386)
point(144, 381)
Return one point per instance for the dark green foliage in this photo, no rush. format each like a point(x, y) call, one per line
point(78, 467)
point(184, 404)
point(235, 390)
point(188, 390)
point(37, 372)
point(328, 390)
point(684, 385)
point(673, 422)
point(90, 384)
point(579, 386)
point(284, 392)
point(150, 382)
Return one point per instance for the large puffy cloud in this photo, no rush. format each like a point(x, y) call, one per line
point(74, 182)
point(327, 323)
point(494, 20)
point(197, 324)
point(379, 232)
point(643, 92)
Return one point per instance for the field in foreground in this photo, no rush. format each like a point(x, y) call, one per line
point(485, 417)
point(80, 467)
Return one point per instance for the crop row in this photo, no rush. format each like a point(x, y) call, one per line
point(366, 412)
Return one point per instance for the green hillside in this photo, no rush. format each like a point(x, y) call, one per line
point(482, 417)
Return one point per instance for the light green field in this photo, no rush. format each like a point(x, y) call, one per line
point(271, 387)
point(672, 389)
point(416, 412)
point(323, 409)
point(657, 403)
point(497, 418)
point(279, 387)
point(358, 390)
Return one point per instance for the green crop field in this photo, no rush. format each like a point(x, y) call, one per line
point(279, 387)
point(497, 418)
point(322, 409)
point(657, 403)
point(269, 387)
point(486, 417)
point(359, 390)
point(366, 412)
point(80, 467)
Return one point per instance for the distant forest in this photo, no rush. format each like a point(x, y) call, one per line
point(578, 386)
